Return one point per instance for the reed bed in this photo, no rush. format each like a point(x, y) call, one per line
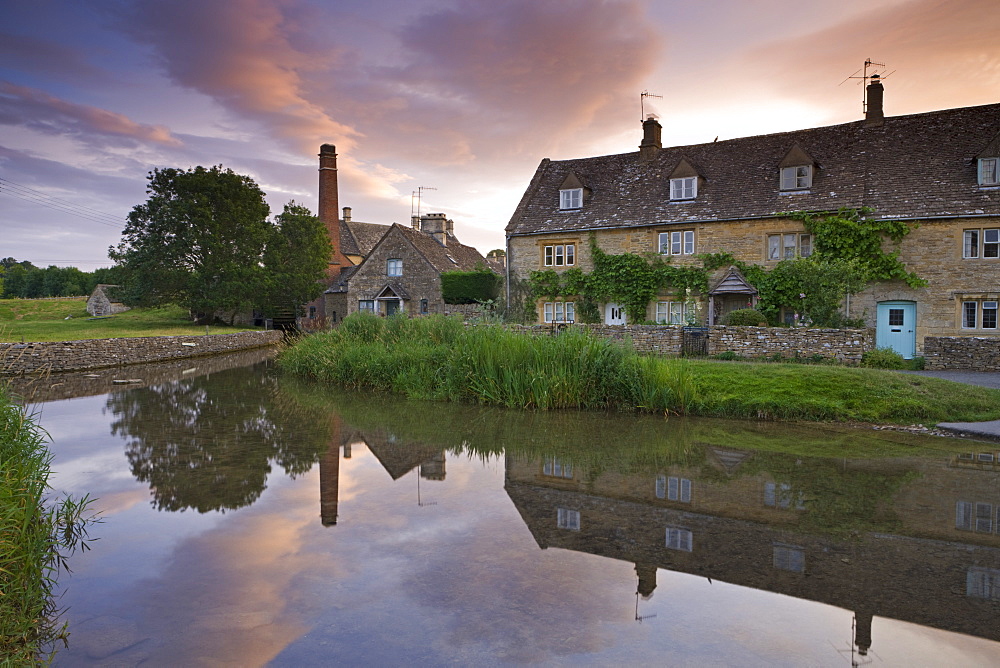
point(36, 536)
point(439, 358)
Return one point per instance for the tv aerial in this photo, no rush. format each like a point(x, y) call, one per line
point(870, 72)
point(415, 197)
point(642, 102)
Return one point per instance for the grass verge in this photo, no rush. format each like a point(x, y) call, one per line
point(36, 536)
point(437, 358)
point(66, 319)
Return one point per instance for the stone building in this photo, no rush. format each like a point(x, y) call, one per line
point(383, 268)
point(938, 171)
point(100, 304)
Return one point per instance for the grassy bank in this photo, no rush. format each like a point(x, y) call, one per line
point(437, 358)
point(35, 537)
point(66, 319)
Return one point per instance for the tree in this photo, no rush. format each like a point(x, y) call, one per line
point(295, 259)
point(198, 241)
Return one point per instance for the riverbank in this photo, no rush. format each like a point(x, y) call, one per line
point(35, 538)
point(90, 354)
point(438, 358)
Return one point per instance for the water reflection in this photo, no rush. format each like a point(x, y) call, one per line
point(376, 531)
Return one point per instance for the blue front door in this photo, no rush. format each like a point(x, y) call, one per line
point(896, 328)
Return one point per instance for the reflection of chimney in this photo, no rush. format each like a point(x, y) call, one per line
point(329, 477)
point(433, 468)
point(651, 143)
point(863, 631)
point(347, 214)
point(873, 108)
point(647, 580)
point(329, 210)
point(436, 225)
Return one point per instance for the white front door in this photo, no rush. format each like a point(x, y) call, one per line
point(614, 314)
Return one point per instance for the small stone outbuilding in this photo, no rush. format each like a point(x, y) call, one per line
point(100, 304)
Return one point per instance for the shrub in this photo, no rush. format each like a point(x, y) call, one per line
point(727, 356)
point(883, 358)
point(745, 316)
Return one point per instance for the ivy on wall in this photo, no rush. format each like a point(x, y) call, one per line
point(848, 254)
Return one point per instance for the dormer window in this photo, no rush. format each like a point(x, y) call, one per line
point(796, 178)
point(684, 188)
point(989, 174)
point(571, 198)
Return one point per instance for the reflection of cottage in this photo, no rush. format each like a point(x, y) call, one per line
point(940, 570)
point(383, 268)
point(100, 304)
point(939, 170)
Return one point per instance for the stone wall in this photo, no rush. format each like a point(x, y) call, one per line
point(976, 353)
point(844, 345)
point(19, 358)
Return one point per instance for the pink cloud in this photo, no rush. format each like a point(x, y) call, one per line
point(31, 108)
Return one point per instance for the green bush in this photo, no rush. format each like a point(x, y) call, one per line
point(745, 316)
point(727, 356)
point(883, 358)
point(470, 287)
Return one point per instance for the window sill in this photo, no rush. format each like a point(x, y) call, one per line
point(804, 191)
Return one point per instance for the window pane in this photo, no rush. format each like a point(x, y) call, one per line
point(570, 312)
point(559, 256)
point(662, 311)
point(571, 198)
point(895, 317)
point(803, 176)
point(548, 256)
point(969, 314)
point(774, 247)
point(676, 313)
point(963, 515)
point(661, 486)
point(988, 175)
point(991, 243)
point(787, 178)
point(665, 242)
point(672, 488)
point(558, 311)
point(570, 254)
point(789, 246)
point(675, 243)
point(984, 517)
point(689, 242)
point(805, 245)
point(548, 311)
point(989, 315)
point(970, 243)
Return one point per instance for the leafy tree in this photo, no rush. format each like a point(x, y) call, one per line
point(295, 258)
point(198, 241)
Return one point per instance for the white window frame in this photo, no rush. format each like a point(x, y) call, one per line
point(685, 187)
point(677, 242)
point(394, 266)
point(559, 255)
point(554, 467)
point(989, 171)
point(788, 245)
point(982, 583)
point(982, 314)
point(970, 315)
point(570, 198)
point(671, 313)
point(567, 518)
point(991, 243)
point(970, 243)
point(679, 539)
point(366, 305)
point(558, 312)
point(796, 178)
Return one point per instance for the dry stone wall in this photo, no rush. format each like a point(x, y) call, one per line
point(844, 345)
point(975, 353)
point(57, 356)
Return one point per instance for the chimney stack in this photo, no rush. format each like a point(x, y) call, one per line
point(329, 205)
point(436, 225)
point(415, 222)
point(347, 214)
point(651, 143)
point(873, 107)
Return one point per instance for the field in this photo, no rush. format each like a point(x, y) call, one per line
point(66, 319)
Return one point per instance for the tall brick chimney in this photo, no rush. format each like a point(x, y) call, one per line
point(873, 107)
point(651, 143)
point(329, 204)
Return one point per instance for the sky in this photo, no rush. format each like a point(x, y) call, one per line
point(462, 99)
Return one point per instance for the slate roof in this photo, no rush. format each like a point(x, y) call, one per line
point(915, 166)
point(360, 238)
point(454, 256)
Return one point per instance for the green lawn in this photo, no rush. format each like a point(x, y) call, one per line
point(66, 319)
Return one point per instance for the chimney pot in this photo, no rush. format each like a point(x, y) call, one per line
point(873, 108)
point(347, 214)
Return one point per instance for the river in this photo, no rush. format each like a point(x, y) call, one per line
point(251, 518)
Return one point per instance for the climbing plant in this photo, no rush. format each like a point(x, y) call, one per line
point(847, 254)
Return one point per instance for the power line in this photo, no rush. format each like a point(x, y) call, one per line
point(27, 194)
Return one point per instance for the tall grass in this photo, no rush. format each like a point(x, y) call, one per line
point(36, 535)
point(439, 358)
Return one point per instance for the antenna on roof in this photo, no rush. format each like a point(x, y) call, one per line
point(642, 102)
point(866, 77)
point(415, 198)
